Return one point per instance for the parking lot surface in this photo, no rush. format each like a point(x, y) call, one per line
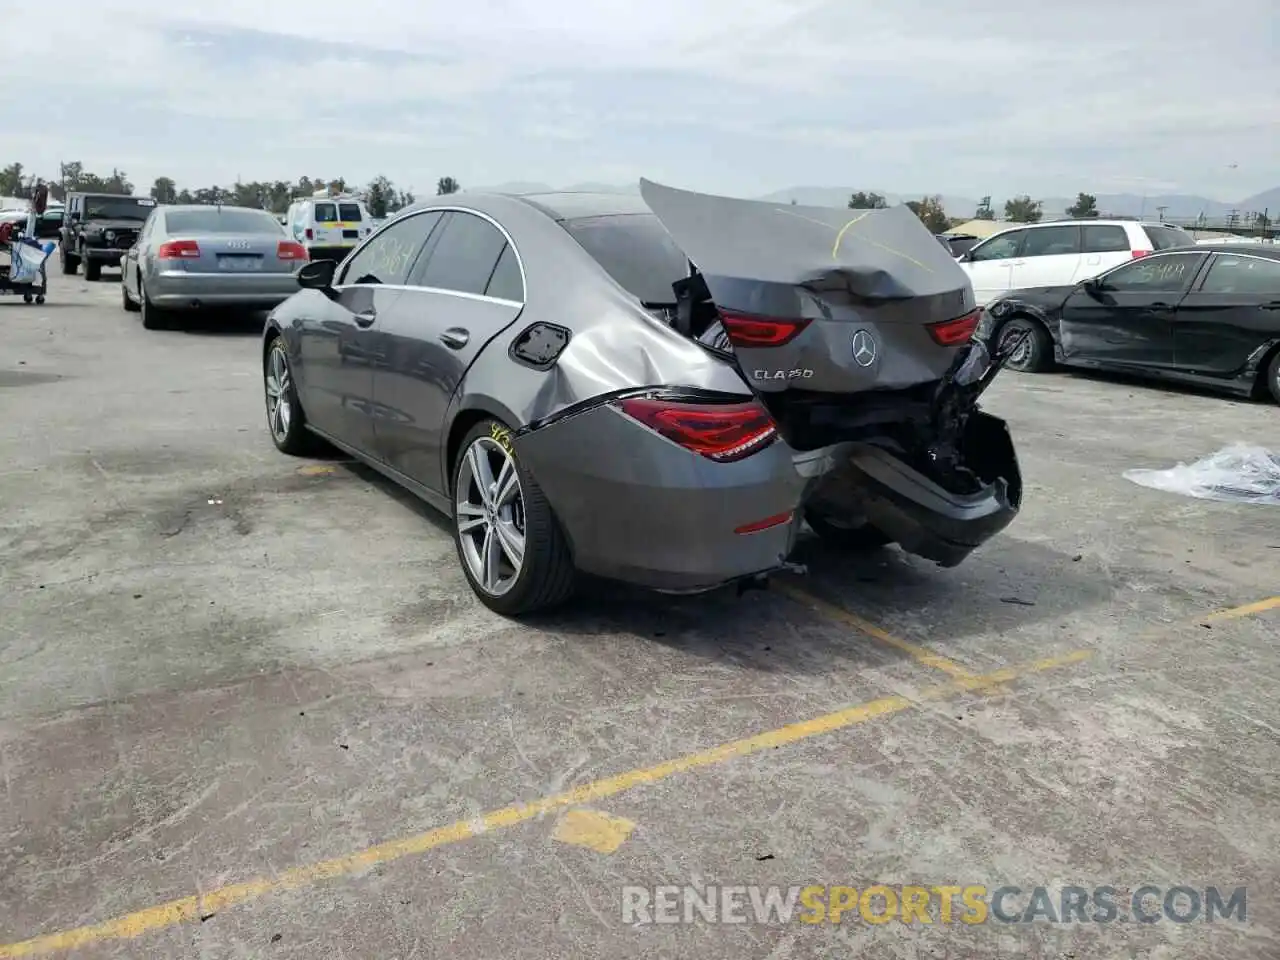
point(249, 708)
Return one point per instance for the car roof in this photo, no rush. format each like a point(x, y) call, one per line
point(189, 207)
point(573, 206)
point(1265, 250)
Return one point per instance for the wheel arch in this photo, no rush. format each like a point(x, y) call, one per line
point(468, 413)
point(1260, 387)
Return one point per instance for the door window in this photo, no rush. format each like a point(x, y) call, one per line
point(464, 257)
point(389, 254)
point(1162, 238)
point(1247, 275)
point(505, 284)
point(1003, 247)
point(1052, 241)
point(1105, 238)
point(1169, 273)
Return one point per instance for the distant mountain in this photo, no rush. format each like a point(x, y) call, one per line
point(1177, 206)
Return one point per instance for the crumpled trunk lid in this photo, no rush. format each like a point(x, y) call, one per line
point(864, 290)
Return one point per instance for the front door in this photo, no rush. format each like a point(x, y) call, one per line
point(990, 265)
point(464, 290)
point(1126, 316)
point(1225, 319)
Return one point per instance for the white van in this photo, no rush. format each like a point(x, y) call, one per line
point(1060, 253)
point(329, 227)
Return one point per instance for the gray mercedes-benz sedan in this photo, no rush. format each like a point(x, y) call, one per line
point(193, 257)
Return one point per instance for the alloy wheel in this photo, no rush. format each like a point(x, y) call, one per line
point(279, 393)
point(490, 514)
point(1022, 353)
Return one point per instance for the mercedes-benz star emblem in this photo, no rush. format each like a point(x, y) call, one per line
point(864, 348)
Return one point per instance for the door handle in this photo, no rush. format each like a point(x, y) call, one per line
point(455, 338)
point(365, 319)
point(1273, 305)
point(1018, 263)
point(1161, 306)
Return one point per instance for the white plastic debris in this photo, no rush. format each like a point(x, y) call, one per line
point(1240, 473)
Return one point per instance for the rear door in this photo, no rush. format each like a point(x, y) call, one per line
point(1128, 319)
point(462, 292)
point(1102, 246)
point(1229, 316)
point(990, 265)
point(1050, 257)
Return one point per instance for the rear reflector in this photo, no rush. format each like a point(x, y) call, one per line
point(1140, 253)
point(765, 524)
point(724, 432)
point(178, 250)
point(744, 330)
point(948, 333)
point(290, 250)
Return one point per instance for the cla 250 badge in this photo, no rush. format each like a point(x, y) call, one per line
point(797, 374)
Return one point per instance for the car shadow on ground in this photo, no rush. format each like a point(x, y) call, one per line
point(222, 323)
point(1014, 585)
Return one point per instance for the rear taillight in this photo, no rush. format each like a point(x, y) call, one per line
point(178, 250)
point(310, 233)
point(290, 250)
point(950, 332)
point(1140, 253)
point(744, 330)
point(723, 432)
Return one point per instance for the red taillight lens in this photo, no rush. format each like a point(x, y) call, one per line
point(1140, 253)
point(744, 330)
point(768, 523)
point(178, 250)
point(950, 332)
point(723, 432)
point(290, 250)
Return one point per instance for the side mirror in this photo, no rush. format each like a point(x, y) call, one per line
point(317, 274)
point(1094, 286)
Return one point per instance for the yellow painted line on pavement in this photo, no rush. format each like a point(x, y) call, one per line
point(594, 830)
point(920, 654)
point(1248, 610)
point(164, 915)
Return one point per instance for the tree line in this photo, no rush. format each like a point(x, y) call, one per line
point(381, 196)
point(1020, 209)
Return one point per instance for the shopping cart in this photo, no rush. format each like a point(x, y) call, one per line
point(24, 273)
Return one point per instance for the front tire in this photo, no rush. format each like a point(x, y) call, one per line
point(1273, 377)
point(70, 263)
point(92, 271)
point(510, 545)
point(1035, 353)
point(284, 413)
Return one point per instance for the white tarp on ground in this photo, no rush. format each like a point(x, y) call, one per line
point(1240, 473)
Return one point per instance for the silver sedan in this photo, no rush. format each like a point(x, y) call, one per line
point(196, 257)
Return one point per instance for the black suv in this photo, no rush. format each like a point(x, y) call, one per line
point(98, 228)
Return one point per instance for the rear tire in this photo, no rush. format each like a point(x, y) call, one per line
point(545, 576)
point(861, 539)
point(153, 317)
point(126, 301)
point(1035, 354)
point(92, 271)
point(1273, 377)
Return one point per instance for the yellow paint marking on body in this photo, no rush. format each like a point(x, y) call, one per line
point(594, 830)
point(161, 916)
point(918, 653)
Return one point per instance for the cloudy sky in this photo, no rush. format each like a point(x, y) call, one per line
point(746, 97)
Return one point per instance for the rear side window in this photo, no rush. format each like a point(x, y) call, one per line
point(215, 220)
point(1162, 238)
point(349, 212)
point(1052, 241)
point(1105, 238)
point(326, 213)
point(634, 249)
point(1247, 275)
point(505, 282)
point(464, 258)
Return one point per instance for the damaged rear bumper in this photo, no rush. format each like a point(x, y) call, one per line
point(920, 515)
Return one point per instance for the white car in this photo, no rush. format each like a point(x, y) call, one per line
point(329, 227)
point(1058, 253)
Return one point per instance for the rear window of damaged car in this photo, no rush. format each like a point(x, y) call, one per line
point(636, 250)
